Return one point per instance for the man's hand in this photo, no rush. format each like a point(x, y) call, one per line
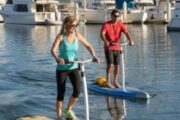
point(107, 43)
point(96, 59)
point(131, 43)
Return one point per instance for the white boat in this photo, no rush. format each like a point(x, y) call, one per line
point(2, 3)
point(97, 4)
point(157, 13)
point(90, 16)
point(174, 24)
point(93, 16)
point(98, 12)
point(134, 14)
point(145, 2)
point(31, 12)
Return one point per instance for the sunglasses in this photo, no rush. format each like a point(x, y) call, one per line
point(115, 16)
point(73, 25)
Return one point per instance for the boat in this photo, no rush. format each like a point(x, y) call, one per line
point(2, 3)
point(89, 15)
point(135, 16)
point(98, 4)
point(104, 7)
point(131, 12)
point(93, 16)
point(174, 24)
point(99, 11)
point(145, 2)
point(40, 12)
point(129, 93)
point(158, 12)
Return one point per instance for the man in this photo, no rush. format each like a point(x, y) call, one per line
point(110, 34)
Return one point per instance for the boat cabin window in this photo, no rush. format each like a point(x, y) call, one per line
point(21, 8)
point(48, 8)
point(44, 8)
point(9, 2)
point(39, 8)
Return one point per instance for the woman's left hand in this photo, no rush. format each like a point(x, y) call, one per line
point(96, 59)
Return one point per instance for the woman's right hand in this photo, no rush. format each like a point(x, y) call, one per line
point(60, 61)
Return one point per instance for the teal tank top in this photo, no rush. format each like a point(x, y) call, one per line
point(68, 51)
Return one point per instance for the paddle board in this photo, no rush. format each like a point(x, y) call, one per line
point(119, 92)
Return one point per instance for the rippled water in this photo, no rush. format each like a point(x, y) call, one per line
point(27, 76)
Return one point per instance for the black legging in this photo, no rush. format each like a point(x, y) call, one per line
point(61, 76)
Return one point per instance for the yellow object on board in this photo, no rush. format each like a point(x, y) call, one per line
point(35, 118)
point(101, 81)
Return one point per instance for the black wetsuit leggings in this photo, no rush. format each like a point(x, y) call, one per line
point(61, 76)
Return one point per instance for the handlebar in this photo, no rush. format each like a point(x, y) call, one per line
point(123, 44)
point(79, 61)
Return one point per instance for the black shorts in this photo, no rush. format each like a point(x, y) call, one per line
point(113, 56)
point(74, 76)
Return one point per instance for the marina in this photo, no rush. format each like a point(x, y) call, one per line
point(149, 70)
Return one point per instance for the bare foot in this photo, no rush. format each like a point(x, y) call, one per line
point(109, 85)
point(117, 85)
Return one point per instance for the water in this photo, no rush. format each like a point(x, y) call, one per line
point(27, 76)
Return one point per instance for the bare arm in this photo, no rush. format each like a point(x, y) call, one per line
point(129, 38)
point(54, 48)
point(104, 38)
point(87, 45)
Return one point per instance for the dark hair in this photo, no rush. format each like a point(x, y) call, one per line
point(114, 11)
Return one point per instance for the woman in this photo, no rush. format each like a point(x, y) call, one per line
point(67, 42)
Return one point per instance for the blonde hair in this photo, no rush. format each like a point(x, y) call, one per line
point(67, 21)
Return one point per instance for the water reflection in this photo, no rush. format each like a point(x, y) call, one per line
point(117, 108)
point(174, 39)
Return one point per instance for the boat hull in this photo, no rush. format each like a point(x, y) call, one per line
point(31, 12)
point(174, 24)
point(30, 18)
point(19, 19)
